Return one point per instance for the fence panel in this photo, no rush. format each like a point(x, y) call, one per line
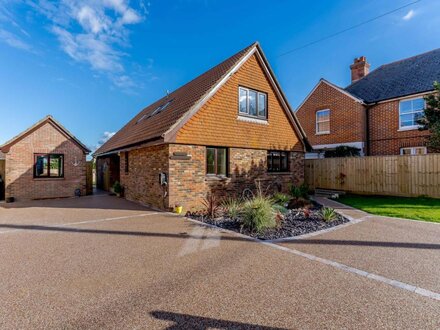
point(379, 175)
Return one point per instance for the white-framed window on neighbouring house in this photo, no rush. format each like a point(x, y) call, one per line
point(410, 111)
point(323, 121)
point(413, 151)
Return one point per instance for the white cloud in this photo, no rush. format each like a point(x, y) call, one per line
point(14, 41)
point(104, 138)
point(91, 32)
point(409, 15)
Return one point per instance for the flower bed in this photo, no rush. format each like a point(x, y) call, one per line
point(293, 223)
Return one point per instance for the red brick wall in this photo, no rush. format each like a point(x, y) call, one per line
point(187, 180)
point(385, 137)
point(216, 123)
point(347, 117)
point(141, 183)
point(189, 183)
point(20, 182)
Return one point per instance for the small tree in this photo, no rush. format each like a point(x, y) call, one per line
point(342, 151)
point(431, 118)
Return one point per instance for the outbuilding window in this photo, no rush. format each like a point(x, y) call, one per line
point(49, 166)
point(217, 161)
point(252, 103)
point(277, 161)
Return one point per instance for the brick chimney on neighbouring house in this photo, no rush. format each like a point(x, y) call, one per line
point(360, 68)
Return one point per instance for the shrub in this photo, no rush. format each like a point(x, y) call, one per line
point(299, 191)
point(212, 207)
point(117, 188)
point(232, 207)
point(258, 214)
point(281, 199)
point(328, 214)
point(342, 151)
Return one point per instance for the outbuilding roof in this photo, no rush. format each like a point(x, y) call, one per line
point(48, 119)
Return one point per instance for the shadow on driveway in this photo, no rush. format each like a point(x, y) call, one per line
point(185, 321)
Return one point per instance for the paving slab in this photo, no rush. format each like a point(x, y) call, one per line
point(160, 271)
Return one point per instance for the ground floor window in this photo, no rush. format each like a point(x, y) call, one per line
point(278, 161)
point(413, 151)
point(49, 166)
point(217, 161)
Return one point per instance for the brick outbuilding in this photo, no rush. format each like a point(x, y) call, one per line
point(229, 129)
point(45, 161)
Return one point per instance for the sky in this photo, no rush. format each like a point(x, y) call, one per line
point(94, 64)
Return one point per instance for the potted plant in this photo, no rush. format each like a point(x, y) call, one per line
point(178, 208)
point(117, 188)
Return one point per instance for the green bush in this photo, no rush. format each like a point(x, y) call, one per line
point(299, 191)
point(117, 188)
point(328, 214)
point(232, 207)
point(281, 199)
point(258, 214)
point(280, 209)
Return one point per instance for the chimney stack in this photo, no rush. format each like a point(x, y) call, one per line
point(360, 68)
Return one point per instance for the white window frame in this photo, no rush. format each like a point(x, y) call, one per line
point(413, 150)
point(316, 122)
point(246, 114)
point(412, 127)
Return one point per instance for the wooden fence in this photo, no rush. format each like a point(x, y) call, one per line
point(379, 175)
point(2, 168)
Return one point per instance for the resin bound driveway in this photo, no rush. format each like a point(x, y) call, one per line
point(103, 262)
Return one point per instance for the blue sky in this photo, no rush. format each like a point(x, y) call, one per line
point(94, 64)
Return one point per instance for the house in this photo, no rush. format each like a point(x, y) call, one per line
point(45, 161)
point(377, 113)
point(217, 134)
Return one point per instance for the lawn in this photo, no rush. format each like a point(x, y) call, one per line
point(417, 208)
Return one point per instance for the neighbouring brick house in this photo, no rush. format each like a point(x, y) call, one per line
point(217, 134)
point(45, 161)
point(377, 112)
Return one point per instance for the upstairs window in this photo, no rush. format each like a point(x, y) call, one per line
point(410, 111)
point(49, 166)
point(217, 161)
point(277, 161)
point(323, 121)
point(252, 103)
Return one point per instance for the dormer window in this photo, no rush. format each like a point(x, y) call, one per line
point(252, 103)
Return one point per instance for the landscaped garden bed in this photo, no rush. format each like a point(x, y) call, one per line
point(269, 217)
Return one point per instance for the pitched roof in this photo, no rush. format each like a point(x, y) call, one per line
point(340, 89)
point(160, 120)
point(48, 119)
point(401, 78)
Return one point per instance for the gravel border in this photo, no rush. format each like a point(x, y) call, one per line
point(294, 224)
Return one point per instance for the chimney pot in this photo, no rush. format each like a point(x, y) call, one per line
point(360, 68)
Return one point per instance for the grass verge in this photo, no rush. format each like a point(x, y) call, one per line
point(417, 208)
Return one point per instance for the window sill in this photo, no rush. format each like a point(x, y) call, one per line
point(49, 179)
point(279, 173)
point(216, 178)
point(322, 133)
point(408, 128)
point(252, 120)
